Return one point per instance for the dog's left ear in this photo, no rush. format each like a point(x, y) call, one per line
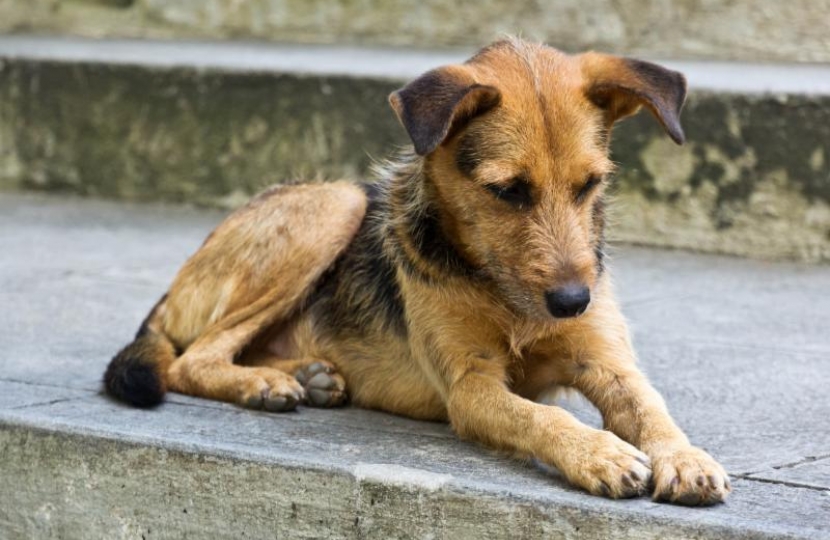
point(620, 86)
point(438, 103)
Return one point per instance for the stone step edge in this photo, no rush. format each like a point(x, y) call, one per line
point(374, 62)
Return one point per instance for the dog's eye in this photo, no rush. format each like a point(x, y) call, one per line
point(592, 182)
point(517, 192)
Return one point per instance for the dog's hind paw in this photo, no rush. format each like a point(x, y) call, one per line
point(269, 389)
point(324, 387)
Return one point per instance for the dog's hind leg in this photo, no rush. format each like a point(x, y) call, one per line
point(254, 271)
point(207, 370)
point(268, 259)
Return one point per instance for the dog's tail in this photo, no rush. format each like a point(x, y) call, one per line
point(136, 375)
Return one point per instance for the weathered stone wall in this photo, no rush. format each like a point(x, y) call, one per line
point(184, 135)
point(753, 178)
point(760, 30)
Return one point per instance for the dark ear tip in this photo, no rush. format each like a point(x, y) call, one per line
point(422, 149)
point(677, 135)
point(682, 86)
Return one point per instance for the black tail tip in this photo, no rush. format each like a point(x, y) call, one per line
point(134, 380)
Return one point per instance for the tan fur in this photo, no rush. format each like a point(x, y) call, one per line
point(252, 272)
point(478, 345)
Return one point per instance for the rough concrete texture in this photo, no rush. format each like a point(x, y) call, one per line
point(763, 30)
point(738, 348)
point(180, 123)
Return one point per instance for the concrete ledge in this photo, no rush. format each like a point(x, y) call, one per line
point(212, 123)
point(83, 482)
point(741, 365)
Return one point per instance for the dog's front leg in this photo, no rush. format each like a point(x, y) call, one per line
point(603, 367)
point(481, 408)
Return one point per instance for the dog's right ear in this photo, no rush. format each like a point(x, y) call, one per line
point(438, 103)
point(620, 86)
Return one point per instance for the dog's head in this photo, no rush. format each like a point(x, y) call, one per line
point(516, 144)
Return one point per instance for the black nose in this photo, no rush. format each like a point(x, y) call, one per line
point(568, 301)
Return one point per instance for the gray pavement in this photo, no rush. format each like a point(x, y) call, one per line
point(739, 349)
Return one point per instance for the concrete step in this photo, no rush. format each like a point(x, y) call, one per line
point(762, 30)
point(742, 366)
point(213, 122)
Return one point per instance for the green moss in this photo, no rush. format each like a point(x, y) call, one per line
point(781, 134)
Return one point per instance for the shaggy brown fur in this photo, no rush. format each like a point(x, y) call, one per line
point(456, 288)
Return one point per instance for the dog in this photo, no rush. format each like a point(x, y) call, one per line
point(462, 285)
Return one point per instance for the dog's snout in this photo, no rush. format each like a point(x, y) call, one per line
point(568, 301)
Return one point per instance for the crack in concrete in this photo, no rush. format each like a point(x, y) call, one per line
point(46, 385)
point(781, 483)
point(791, 465)
point(43, 403)
point(802, 461)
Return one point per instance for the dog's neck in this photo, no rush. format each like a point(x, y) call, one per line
point(416, 225)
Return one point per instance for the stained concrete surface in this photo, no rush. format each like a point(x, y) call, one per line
point(738, 348)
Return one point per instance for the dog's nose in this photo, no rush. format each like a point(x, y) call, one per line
point(568, 301)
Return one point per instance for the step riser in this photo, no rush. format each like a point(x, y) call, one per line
point(763, 30)
point(753, 180)
point(185, 135)
point(59, 486)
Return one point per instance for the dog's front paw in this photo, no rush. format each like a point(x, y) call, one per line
point(608, 466)
point(689, 476)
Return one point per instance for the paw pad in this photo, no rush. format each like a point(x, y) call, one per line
point(324, 387)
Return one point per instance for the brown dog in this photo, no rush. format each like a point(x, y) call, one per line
point(460, 287)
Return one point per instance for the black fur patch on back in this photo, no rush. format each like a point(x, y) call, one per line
point(362, 289)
